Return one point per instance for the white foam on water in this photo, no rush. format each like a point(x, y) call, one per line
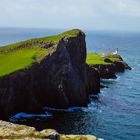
point(103, 91)
point(70, 109)
point(108, 79)
point(118, 78)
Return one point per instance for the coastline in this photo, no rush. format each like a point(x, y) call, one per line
point(95, 72)
point(10, 131)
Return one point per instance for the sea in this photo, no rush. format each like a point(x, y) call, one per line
point(116, 114)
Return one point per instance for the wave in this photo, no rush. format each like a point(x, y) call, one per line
point(25, 116)
point(70, 109)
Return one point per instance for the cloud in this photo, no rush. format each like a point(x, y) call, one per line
point(69, 13)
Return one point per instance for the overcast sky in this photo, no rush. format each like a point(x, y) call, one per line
point(84, 14)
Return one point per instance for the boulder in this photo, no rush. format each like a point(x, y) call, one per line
point(10, 131)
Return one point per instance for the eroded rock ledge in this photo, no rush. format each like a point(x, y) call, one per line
point(10, 131)
point(107, 65)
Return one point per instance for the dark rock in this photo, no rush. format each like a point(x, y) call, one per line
point(103, 86)
point(60, 80)
point(94, 96)
point(16, 95)
point(106, 71)
point(119, 66)
point(93, 86)
point(107, 60)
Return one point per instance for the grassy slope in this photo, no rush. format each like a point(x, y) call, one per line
point(22, 58)
point(93, 58)
point(54, 39)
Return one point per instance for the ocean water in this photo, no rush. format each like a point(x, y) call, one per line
point(116, 114)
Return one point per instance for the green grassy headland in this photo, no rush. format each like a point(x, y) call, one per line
point(94, 58)
point(13, 58)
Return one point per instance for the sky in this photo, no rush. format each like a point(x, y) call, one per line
point(65, 14)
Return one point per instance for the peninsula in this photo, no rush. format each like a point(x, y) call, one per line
point(54, 71)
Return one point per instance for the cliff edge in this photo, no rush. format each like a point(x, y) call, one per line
point(49, 71)
point(53, 71)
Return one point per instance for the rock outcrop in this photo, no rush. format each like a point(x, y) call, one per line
point(10, 131)
point(93, 85)
point(106, 71)
point(60, 80)
point(109, 70)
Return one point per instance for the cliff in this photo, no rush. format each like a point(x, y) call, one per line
point(49, 71)
point(107, 64)
point(53, 71)
point(10, 131)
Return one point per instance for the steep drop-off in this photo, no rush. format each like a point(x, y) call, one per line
point(107, 64)
point(52, 72)
point(57, 76)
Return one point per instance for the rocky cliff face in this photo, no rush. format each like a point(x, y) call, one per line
point(93, 82)
point(108, 71)
point(60, 80)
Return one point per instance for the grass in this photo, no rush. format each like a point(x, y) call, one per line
point(20, 59)
point(17, 59)
point(93, 58)
point(114, 57)
point(54, 39)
